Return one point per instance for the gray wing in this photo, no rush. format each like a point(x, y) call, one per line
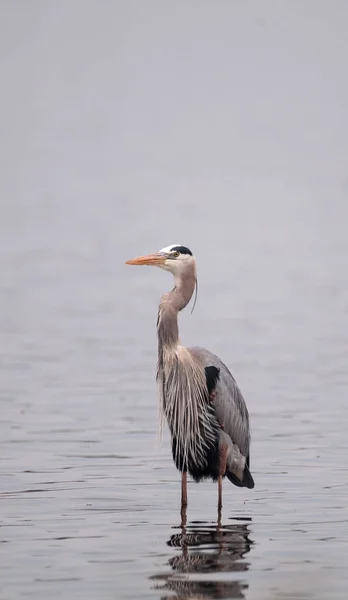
point(230, 407)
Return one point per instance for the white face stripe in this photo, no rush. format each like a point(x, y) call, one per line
point(169, 248)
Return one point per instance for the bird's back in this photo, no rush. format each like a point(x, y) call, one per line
point(230, 408)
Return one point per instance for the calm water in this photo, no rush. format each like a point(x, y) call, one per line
point(126, 127)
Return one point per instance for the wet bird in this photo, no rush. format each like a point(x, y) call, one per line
point(199, 398)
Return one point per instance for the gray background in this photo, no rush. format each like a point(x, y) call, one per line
point(125, 127)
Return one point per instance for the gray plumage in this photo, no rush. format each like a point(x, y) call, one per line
point(230, 407)
point(199, 398)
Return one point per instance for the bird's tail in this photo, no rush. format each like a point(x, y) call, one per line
point(245, 478)
point(238, 468)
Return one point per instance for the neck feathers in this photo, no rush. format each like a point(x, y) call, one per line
point(171, 303)
point(167, 326)
point(184, 405)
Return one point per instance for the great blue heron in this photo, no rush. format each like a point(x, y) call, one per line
point(199, 398)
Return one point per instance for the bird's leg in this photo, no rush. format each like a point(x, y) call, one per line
point(222, 468)
point(220, 494)
point(184, 489)
point(183, 498)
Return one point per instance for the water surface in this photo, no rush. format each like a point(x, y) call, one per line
point(126, 127)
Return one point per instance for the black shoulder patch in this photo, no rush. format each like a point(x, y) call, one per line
point(212, 375)
point(182, 250)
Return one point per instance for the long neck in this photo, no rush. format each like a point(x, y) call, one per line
point(171, 303)
point(183, 388)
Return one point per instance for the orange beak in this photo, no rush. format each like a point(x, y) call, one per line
point(150, 259)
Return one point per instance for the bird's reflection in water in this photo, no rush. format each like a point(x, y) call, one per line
point(203, 549)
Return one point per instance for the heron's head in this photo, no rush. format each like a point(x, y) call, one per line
point(175, 258)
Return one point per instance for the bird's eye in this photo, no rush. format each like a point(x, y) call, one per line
point(176, 254)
